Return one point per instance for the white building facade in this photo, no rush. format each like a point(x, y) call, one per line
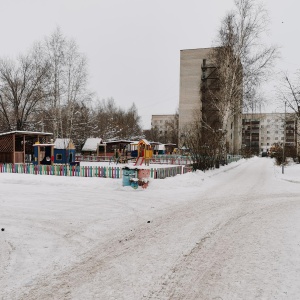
point(261, 131)
point(162, 123)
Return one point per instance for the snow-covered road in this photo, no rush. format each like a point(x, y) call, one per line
point(232, 233)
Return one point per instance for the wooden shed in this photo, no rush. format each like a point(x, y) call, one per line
point(17, 146)
point(121, 146)
point(94, 146)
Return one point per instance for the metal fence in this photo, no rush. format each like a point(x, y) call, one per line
point(232, 158)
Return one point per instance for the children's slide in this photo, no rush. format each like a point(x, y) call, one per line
point(139, 161)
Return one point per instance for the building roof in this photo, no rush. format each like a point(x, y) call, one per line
point(43, 145)
point(144, 141)
point(117, 141)
point(91, 144)
point(20, 132)
point(61, 143)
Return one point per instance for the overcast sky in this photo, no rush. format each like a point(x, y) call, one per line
point(133, 46)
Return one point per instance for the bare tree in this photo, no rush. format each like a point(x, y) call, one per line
point(67, 82)
point(22, 88)
point(131, 128)
point(202, 146)
point(152, 134)
point(84, 124)
point(114, 122)
point(173, 129)
point(289, 93)
point(231, 77)
point(237, 67)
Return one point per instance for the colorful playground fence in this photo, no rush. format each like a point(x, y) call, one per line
point(85, 171)
point(156, 159)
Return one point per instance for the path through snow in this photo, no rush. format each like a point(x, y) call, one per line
point(220, 235)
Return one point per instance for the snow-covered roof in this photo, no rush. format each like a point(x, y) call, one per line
point(146, 142)
point(43, 145)
point(111, 141)
point(61, 143)
point(91, 144)
point(26, 133)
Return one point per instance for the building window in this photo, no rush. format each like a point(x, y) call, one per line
point(268, 144)
point(276, 138)
point(268, 138)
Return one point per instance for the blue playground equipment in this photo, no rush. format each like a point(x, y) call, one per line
point(130, 177)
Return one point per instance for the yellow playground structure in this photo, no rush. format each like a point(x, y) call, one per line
point(145, 153)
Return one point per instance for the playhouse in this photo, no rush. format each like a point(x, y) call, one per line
point(64, 151)
point(144, 152)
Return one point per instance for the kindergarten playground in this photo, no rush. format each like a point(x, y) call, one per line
point(60, 159)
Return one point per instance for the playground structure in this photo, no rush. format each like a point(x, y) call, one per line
point(17, 146)
point(43, 154)
point(64, 151)
point(144, 153)
point(119, 157)
point(60, 152)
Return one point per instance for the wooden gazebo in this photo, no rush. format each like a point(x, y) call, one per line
point(17, 146)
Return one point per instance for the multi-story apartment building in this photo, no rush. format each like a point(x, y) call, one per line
point(196, 73)
point(164, 129)
point(262, 130)
point(162, 123)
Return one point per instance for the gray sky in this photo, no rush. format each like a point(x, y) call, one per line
point(133, 46)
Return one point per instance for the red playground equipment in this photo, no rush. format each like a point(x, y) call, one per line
point(145, 153)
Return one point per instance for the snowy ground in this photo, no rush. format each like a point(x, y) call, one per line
point(230, 233)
